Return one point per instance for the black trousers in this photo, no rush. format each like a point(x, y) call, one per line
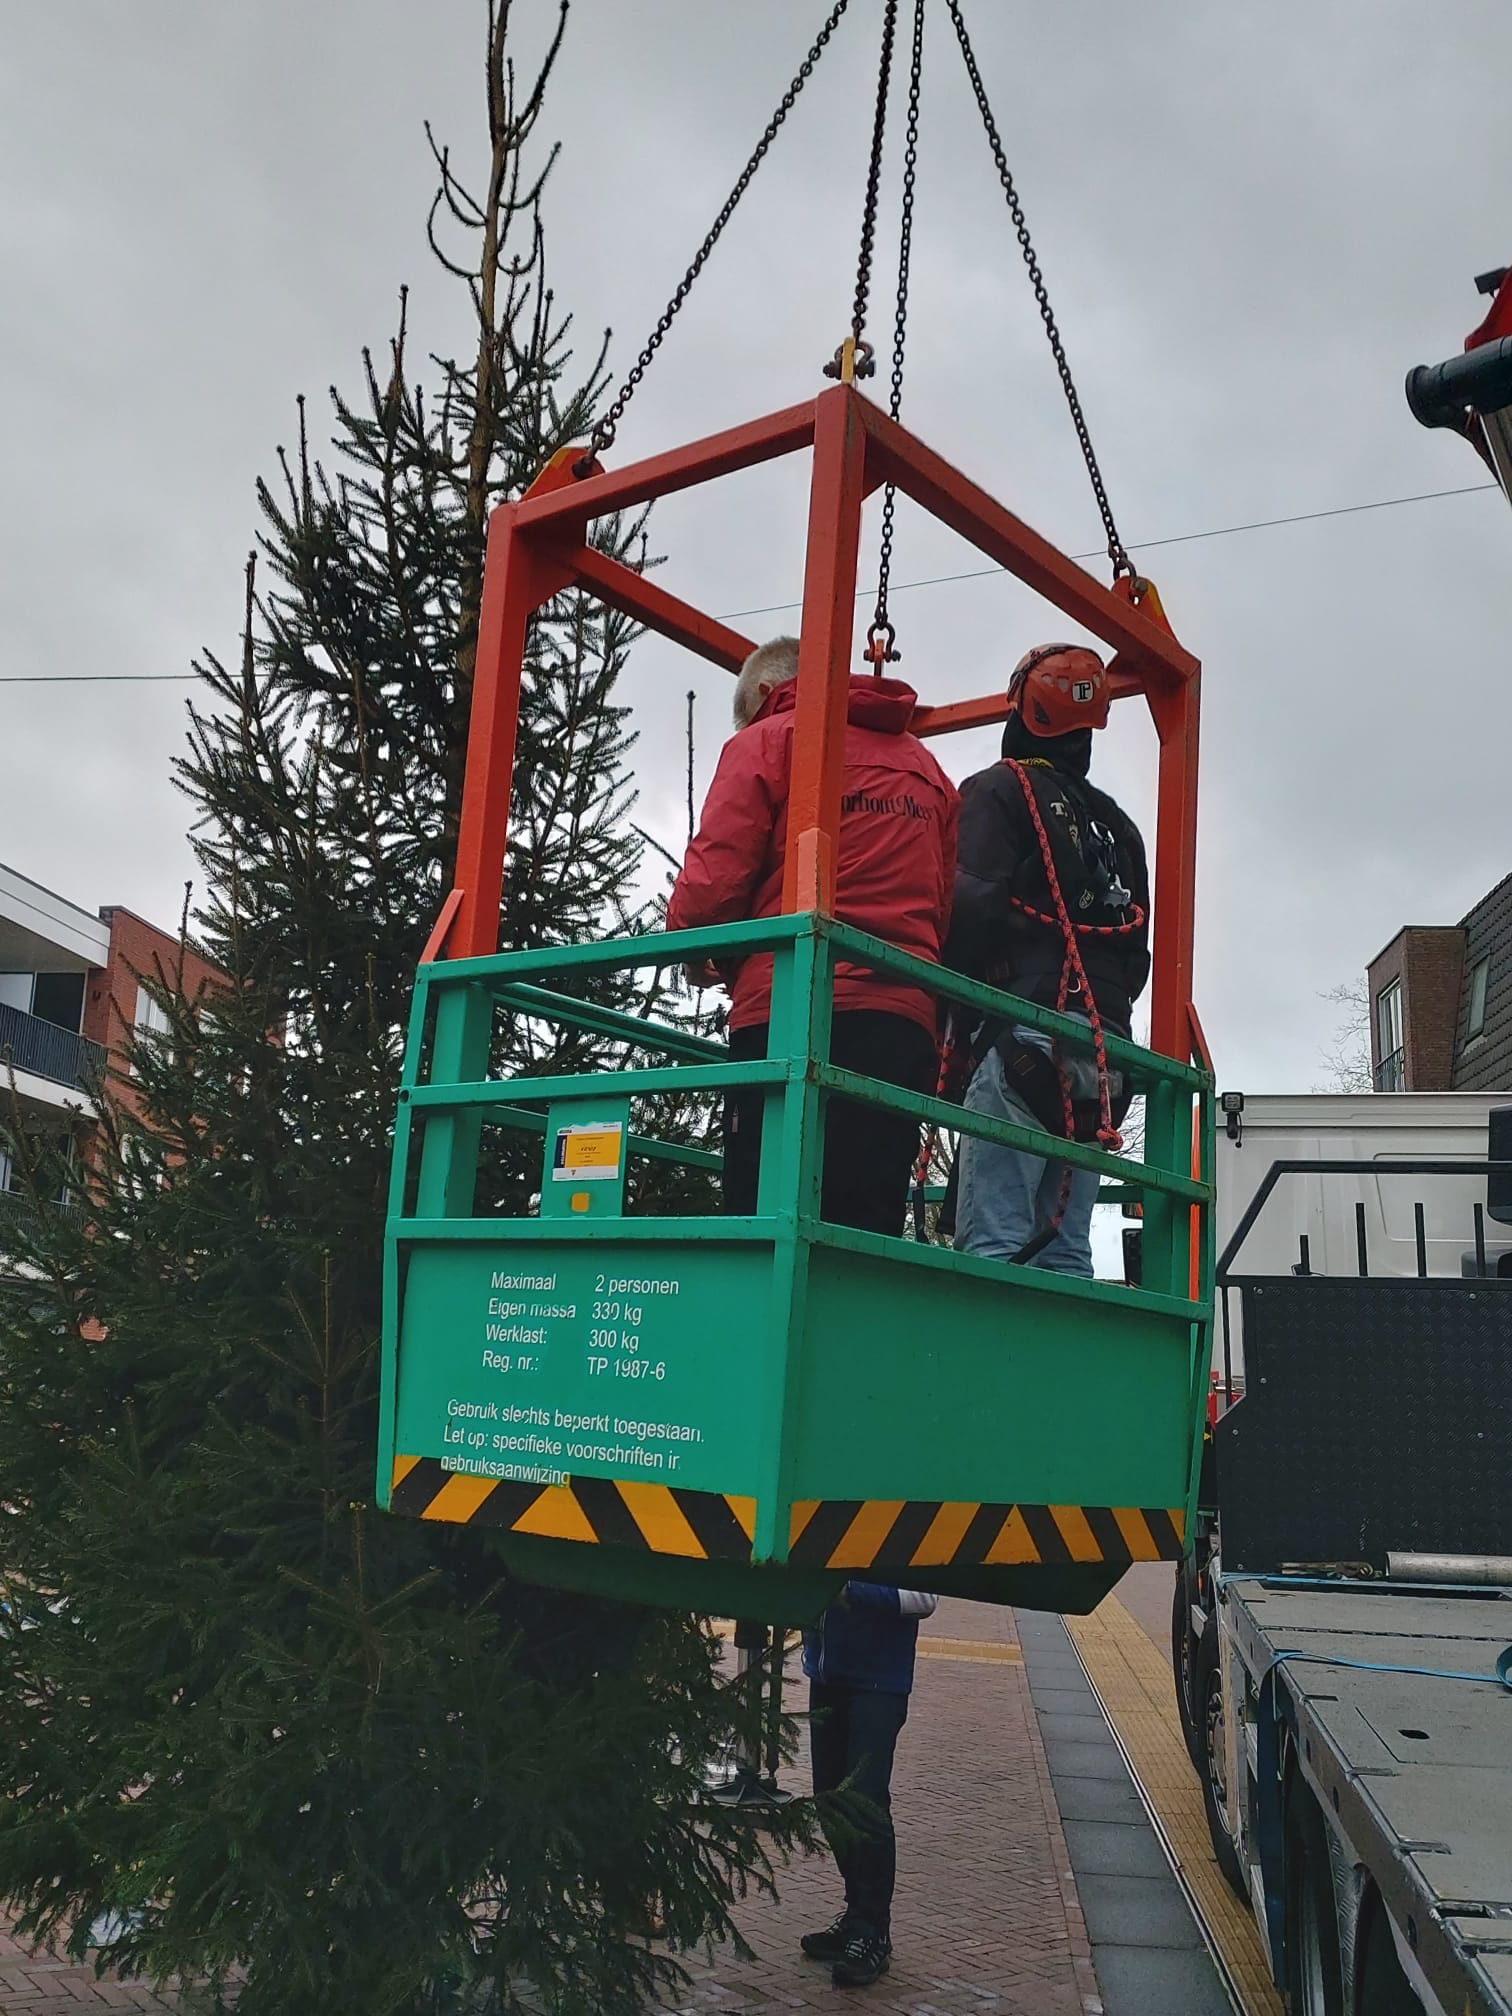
point(852, 1737)
point(868, 1154)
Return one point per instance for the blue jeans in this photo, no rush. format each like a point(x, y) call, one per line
point(1006, 1196)
point(852, 1735)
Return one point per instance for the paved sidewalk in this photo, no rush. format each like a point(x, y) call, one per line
point(1147, 1949)
point(1123, 1646)
point(986, 1918)
point(987, 1921)
point(34, 1985)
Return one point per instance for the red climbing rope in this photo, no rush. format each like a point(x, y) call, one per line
point(951, 1060)
point(1072, 968)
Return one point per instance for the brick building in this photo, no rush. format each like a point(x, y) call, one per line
point(71, 995)
point(1441, 1003)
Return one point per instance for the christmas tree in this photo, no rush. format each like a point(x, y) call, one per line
point(252, 1732)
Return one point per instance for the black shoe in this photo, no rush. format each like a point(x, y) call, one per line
point(865, 1960)
point(830, 1944)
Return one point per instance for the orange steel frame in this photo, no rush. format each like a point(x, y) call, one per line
point(539, 545)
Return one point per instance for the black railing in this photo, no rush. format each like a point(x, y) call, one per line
point(1386, 1166)
point(1391, 1072)
point(30, 1044)
point(16, 1206)
point(22, 1224)
point(1476, 1263)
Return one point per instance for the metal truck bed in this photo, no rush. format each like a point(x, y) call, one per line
point(1415, 1771)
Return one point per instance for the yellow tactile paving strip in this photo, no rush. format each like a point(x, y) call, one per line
point(974, 1651)
point(1134, 1681)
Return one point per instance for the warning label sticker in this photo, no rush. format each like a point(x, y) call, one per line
point(589, 1154)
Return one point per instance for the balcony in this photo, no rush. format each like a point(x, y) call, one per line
point(17, 1209)
point(27, 1043)
point(21, 1226)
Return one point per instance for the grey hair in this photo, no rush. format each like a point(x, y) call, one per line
point(769, 665)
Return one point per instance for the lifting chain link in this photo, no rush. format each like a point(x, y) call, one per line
point(1117, 552)
point(855, 358)
point(605, 429)
point(882, 637)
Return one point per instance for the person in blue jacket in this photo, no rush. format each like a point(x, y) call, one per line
point(860, 1666)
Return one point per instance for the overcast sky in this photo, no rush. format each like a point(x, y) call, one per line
point(1252, 222)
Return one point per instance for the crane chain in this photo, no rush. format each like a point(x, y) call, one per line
point(882, 636)
point(1117, 552)
point(863, 362)
point(605, 429)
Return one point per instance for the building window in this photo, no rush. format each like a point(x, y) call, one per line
point(1475, 1021)
point(1391, 1075)
point(151, 1017)
point(59, 998)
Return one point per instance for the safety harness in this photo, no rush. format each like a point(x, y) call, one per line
point(1038, 1078)
point(1025, 1062)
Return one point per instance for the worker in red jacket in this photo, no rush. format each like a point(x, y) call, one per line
point(895, 877)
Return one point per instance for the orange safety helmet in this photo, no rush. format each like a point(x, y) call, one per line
point(1058, 688)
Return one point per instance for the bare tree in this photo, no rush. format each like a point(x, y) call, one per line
point(1347, 1058)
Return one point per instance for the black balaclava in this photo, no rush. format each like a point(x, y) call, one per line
point(1071, 753)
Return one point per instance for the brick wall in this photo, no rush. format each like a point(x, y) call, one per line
point(1383, 969)
point(110, 999)
point(1430, 1000)
point(1429, 962)
point(1483, 1063)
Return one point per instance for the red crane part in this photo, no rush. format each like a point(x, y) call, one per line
point(539, 545)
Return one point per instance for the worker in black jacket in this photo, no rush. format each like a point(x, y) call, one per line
point(1051, 903)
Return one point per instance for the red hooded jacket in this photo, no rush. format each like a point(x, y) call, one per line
point(896, 872)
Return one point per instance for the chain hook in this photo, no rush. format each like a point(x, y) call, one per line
point(600, 442)
point(854, 359)
point(881, 643)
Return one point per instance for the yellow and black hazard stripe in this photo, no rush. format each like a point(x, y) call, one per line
point(835, 1533)
point(620, 1512)
point(921, 1533)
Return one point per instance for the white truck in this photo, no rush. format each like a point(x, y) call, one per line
point(1340, 1624)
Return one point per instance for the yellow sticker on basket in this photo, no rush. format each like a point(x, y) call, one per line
point(589, 1154)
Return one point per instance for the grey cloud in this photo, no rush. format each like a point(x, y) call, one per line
point(1252, 222)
